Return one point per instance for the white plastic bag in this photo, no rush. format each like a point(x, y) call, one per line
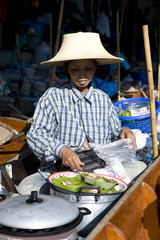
point(141, 138)
point(121, 151)
point(114, 154)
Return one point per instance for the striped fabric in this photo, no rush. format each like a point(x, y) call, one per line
point(64, 117)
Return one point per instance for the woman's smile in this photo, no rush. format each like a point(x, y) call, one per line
point(82, 81)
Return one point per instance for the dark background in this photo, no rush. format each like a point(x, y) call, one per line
point(134, 16)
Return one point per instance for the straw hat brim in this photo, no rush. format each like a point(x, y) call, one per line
point(101, 61)
point(6, 133)
point(81, 46)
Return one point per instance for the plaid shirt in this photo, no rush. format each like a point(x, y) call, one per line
point(64, 117)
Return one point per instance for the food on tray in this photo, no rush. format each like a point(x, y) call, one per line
point(68, 182)
point(92, 180)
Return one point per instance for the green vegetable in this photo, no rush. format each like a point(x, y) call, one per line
point(120, 113)
point(127, 113)
point(112, 191)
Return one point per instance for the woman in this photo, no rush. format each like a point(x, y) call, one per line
point(68, 117)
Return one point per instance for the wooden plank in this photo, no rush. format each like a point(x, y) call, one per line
point(110, 232)
point(152, 176)
point(7, 181)
point(102, 235)
point(150, 212)
point(114, 233)
point(129, 215)
point(15, 123)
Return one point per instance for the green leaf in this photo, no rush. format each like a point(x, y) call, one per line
point(105, 185)
point(89, 181)
point(77, 183)
point(82, 180)
point(79, 176)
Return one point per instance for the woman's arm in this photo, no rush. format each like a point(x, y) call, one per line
point(41, 137)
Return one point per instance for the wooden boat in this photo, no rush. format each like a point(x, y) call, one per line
point(17, 146)
point(137, 214)
point(14, 151)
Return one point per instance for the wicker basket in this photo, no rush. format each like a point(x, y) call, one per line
point(6, 133)
point(142, 122)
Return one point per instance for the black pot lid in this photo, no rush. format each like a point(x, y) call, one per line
point(37, 212)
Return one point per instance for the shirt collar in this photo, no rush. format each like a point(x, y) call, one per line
point(77, 95)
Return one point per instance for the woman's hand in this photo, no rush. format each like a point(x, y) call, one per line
point(71, 159)
point(127, 133)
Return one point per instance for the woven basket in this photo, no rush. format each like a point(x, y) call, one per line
point(142, 122)
point(6, 133)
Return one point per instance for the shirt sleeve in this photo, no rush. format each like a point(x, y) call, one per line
point(41, 136)
point(115, 124)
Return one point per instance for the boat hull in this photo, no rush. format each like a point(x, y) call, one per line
point(136, 214)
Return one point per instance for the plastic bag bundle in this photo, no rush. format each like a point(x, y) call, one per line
point(118, 151)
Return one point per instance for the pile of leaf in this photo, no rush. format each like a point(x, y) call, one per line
point(83, 180)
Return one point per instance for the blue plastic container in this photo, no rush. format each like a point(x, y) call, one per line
point(142, 122)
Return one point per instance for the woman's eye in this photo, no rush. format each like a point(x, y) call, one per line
point(88, 69)
point(74, 69)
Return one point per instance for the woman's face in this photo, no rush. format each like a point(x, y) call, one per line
point(81, 73)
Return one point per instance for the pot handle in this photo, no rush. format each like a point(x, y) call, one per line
point(84, 210)
point(96, 195)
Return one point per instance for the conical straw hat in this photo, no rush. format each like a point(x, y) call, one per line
point(82, 45)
